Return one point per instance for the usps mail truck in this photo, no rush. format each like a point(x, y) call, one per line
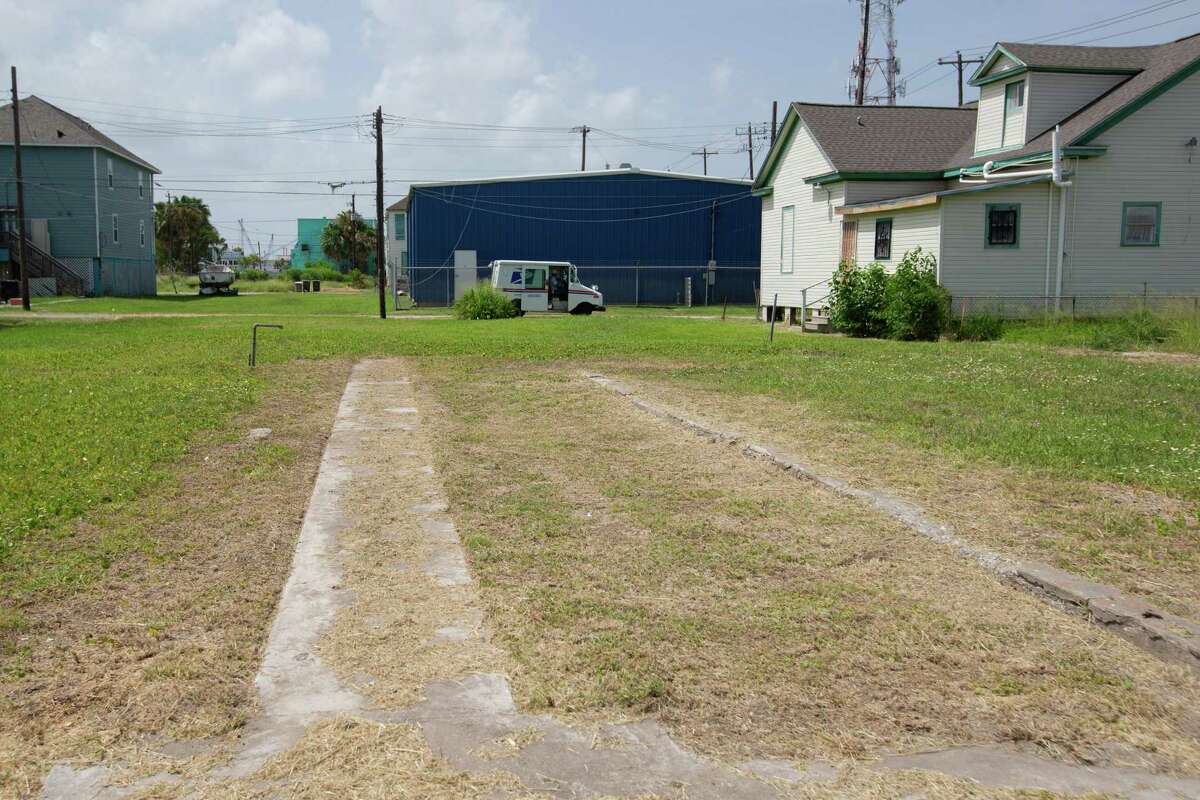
point(546, 286)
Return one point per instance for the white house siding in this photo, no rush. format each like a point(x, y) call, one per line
point(866, 191)
point(817, 227)
point(1050, 97)
point(911, 228)
point(1003, 63)
point(968, 268)
point(989, 122)
point(1146, 161)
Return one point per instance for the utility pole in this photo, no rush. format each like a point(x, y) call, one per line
point(380, 268)
point(705, 152)
point(774, 120)
point(958, 61)
point(752, 132)
point(585, 130)
point(860, 68)
point(21, 252)
point(353, 242)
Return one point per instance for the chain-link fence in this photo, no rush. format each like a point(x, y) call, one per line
point(622, 285)
point(1075, 306)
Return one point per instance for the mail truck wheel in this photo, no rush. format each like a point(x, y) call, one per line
point(583, 308)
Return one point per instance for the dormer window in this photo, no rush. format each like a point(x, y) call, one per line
point(1014, 114)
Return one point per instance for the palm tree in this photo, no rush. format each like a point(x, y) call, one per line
point(348, 240)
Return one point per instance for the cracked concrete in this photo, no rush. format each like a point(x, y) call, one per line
point(1166, 635)
point(462, 715)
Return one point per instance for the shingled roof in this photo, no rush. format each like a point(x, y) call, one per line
point(43, 123)
point(887, 138)
point(1165, 65)
point(922, 139)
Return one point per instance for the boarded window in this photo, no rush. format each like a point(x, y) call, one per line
point(787, 239)
point(1003, 225)
point(141, 185)
point(116, 235)
point(883, 239)
point(110, 177)
point(1140, 224)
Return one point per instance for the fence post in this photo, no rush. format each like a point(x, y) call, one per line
point(637, 282)
point(1145, 294)
point(1072, 308)
point(774, 305)
point(803, 307)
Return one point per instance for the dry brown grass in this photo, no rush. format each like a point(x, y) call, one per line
point(631, 568)
point(166, 645)
point(1141, 541)
point(384, 645)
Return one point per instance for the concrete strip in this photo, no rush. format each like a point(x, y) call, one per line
point(1168, 636)
point(1001, 767)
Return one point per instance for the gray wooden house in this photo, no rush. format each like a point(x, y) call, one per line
point(89, 205)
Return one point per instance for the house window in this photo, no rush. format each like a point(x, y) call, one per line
point(1014, 96)
point(1140, 224)
point(116, 237)
point(141, 233)
point(883, 239)
point(141, 185)
point(787, 240)
point(400, 231)
point(110, 176)
point(1003, 225)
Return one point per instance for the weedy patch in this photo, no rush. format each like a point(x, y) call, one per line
point(656, 573)
point(161, 640)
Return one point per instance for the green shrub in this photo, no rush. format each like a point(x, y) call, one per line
point(914, 305)
point(325, 274)
point(979, 328)
point(484, 302)
point(294, 274)
point(358, 279)
point(856, 299)
point(1139, 329)
point(252, 274)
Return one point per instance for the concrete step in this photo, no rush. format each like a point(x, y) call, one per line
point(817, 327)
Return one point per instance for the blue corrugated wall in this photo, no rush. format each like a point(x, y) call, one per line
point(636, 236)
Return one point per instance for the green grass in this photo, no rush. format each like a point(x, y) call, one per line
point(93, 410)
point(1182, 332)
point(336, 303)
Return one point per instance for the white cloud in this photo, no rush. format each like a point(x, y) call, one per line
point(280, 56)
point(720, 77)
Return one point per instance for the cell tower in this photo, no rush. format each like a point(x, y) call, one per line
point(876, 14)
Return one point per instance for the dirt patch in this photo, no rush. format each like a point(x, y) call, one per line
point(1143, 542)
point(165, 646)
point(631, 569)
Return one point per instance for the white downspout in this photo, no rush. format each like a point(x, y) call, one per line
point(1049, 243)
point(1056, 176)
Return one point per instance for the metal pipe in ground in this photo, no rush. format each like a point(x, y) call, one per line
point(254, 339)
point(774, 308)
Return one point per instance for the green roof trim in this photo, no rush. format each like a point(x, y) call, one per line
point(1136, 105)
point(791, 120)
point(990, 59)
point(834, 177)
point(1010, 73)
point(1029, 158)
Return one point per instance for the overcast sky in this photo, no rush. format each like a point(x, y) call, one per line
point(230, 97)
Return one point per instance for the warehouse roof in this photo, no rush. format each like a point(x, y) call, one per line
point(46, 124)
point(596, 173)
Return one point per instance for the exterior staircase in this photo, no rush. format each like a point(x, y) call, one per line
point(818, 321)
point(43, 265)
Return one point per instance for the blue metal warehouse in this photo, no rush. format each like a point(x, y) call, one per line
point(637, 234)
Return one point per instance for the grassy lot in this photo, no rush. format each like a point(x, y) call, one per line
point(660, 573)
point(1172, 332)
point(103, 413)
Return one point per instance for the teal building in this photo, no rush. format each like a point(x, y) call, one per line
point(89, 206)
point(307, 249)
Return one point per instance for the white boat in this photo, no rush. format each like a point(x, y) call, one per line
point(217, 279)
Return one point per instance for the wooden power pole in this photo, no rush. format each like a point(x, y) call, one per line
point(380, 268)
point(860, 91)
point(958, 61)
point(585, 130)
point(705, 153)
point(774, 120)
point(21, 254)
